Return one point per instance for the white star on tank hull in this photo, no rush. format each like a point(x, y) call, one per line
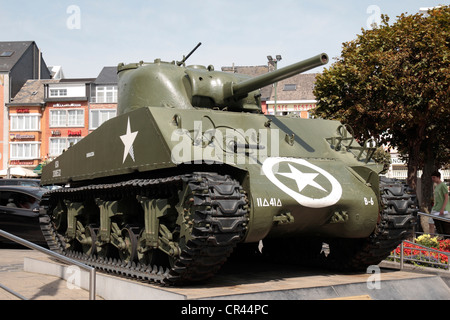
point(128, 140)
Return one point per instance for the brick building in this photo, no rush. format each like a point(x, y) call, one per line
point(65, 116)
point(103, 100)
point(294, 96)
point(25, 124)
point(47, 116)
point(19, 62)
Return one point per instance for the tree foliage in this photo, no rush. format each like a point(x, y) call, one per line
point(392, 83)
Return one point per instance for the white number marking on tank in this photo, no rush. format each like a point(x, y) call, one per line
point(273, 202)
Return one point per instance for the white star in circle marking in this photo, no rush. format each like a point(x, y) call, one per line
point(328, 200)
point(302, 179)
point(128, 140)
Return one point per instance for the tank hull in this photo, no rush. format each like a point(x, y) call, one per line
point(294, 187)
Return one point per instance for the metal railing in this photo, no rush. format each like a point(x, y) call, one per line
point(445, 218)
point(422, 256)
point(91, 270)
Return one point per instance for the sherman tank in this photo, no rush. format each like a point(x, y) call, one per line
point(191, 169)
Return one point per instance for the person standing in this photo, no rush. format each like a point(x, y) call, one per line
point(441, 203)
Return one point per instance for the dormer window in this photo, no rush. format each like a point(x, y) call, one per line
point(58, 92)
point(290, 87)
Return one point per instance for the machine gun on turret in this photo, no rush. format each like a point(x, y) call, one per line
point(180, 63)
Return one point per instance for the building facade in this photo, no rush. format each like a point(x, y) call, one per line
point(65, 118)
point(294, 96)
point(48, 116)
point(103, 99)
point(25, 125)
point(19, 62)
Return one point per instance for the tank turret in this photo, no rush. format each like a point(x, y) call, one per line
point(197, 86)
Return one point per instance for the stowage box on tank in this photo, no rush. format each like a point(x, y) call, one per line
point(191, 170)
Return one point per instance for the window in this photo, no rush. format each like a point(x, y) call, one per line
point(67, 118)
point(58, 92)
point(6, 53)
point(290, 87)
point(29, 122)
point(57, 145)
point(58, 118)
point(106, 94)
point(25, 150)
point(16, 199)
point(75, 118)
point(99, 116)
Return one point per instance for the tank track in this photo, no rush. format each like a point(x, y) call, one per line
point(397, 221)
point(220, 220)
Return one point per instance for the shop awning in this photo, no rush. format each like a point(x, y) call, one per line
point(17, 172)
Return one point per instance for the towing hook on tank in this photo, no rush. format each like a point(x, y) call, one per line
point(283, 218)
point(339, 217)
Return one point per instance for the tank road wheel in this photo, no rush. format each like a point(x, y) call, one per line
point(147, 255)
point(59, 215)
point(184, 226)
point(128, 247)
point(90, 237)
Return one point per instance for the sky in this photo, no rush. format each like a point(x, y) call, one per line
point(83, 36)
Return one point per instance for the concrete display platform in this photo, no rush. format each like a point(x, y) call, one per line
point(30, 285)
point(253, 281)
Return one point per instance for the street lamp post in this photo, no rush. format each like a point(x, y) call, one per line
point(274, 63)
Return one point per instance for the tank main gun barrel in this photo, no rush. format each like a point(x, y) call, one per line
point(244, 87)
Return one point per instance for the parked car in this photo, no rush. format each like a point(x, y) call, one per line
point(25, 182)
point(20, 182)
point(19, 213)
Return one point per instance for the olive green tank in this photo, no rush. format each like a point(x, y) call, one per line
point(191, 169)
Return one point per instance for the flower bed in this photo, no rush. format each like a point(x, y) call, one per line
point(426, 251)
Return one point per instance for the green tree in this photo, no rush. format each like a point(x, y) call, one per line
point(392, 83)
